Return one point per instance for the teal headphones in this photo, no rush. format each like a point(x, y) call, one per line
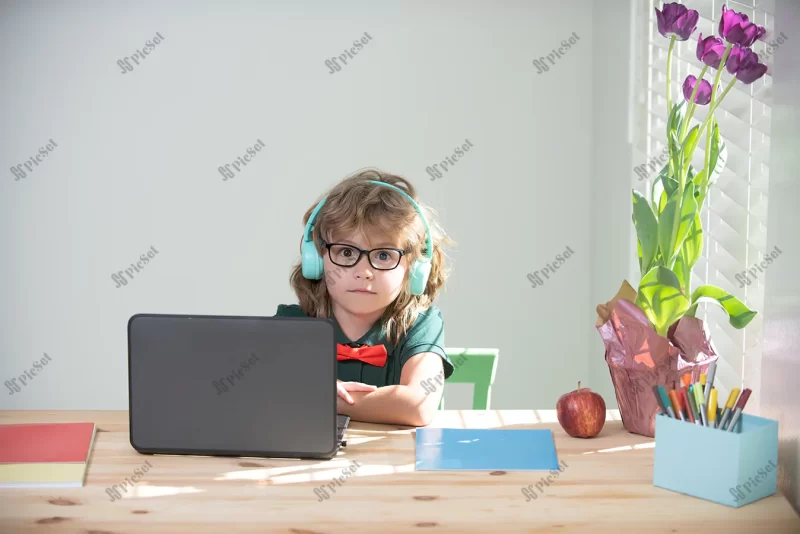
point(313, 263)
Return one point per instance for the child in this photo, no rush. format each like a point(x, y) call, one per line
point(373, 263)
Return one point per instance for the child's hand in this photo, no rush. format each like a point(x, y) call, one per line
point(342, 389)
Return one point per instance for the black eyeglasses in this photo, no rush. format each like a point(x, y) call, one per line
point(382, 259)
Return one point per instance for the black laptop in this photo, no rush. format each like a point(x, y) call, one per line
point(233, 386)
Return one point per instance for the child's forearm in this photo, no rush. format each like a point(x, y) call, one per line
point(398, 405)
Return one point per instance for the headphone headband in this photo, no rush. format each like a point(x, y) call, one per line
point(428, 242)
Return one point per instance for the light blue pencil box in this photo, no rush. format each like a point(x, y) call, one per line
point(731, 468)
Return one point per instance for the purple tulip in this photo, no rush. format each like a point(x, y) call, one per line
point(703, 95)
point(676, 20)
point(735, 57)
point(736, 28)
point(743, 63)
point(710, 50)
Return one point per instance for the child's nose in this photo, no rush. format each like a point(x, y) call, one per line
point(363, 267)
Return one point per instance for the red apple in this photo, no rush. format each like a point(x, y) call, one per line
point(581, 413)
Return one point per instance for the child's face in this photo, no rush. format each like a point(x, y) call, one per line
point(344, 283)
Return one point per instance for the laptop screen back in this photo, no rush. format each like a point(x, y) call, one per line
point(257, 386)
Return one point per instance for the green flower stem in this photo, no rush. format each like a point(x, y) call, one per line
point(707, 162)
point(692, 105)
point(714, 107)
point(719, 72)
point(669, 74)
point(707, 156)
point(714, 103)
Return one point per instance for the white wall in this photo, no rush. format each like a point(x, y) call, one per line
point(611, 230)
point(780, 369)
point(137, 157)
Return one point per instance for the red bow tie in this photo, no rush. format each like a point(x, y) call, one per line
point(372, 355)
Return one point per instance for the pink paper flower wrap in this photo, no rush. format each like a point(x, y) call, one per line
point(638, 359)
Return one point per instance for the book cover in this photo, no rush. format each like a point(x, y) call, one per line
point(46, 442)
point(485, 450)
point(45, 455)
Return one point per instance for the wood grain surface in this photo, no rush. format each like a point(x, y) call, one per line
point(605, 488)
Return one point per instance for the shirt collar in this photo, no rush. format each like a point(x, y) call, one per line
point(376, 335)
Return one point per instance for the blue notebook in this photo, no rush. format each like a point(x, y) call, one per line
point(441, 449)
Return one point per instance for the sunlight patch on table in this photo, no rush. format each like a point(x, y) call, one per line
point(639, 446)
point(145, 491)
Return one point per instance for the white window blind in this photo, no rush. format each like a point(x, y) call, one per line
point(735, 214)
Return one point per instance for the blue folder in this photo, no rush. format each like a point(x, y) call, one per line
point(442, 449)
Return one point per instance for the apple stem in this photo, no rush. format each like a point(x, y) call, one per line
point(579, 385)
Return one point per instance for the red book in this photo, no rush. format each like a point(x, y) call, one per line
point(46, 442)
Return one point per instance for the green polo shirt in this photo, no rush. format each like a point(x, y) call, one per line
point(425, 335)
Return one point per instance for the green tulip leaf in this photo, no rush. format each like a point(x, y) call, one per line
point(661, 299)
point(663, 174)
point(662, 203)
point(646, 230)
point(692, 246)
point(670, 185)
point(689, 144)
point(683, 272)
point(675, 158)
point(719, 156)
point(675, 119)
point(699, 179)
point(672, 233)
point(690, 174)
point(639, 254)
point(739, 315)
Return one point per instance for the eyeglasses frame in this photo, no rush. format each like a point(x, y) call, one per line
point(361, 253)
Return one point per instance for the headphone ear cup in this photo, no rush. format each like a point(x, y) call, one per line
point(311, 261)
point(418, 276)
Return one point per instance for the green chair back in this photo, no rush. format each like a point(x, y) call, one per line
point(476, 367)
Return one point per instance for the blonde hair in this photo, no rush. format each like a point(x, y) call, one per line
point(355, 205)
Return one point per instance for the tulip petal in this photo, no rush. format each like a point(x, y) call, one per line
point(742, 35)
point(704, 93)
point(688, 86)
point(727, 20)
point(734, 59)
point(686, 24)
point(701, 47)
point(662, 23)
point(747, 76)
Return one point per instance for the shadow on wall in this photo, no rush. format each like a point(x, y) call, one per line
point(788, 454)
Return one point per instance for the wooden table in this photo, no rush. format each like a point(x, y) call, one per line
point(606, 488)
